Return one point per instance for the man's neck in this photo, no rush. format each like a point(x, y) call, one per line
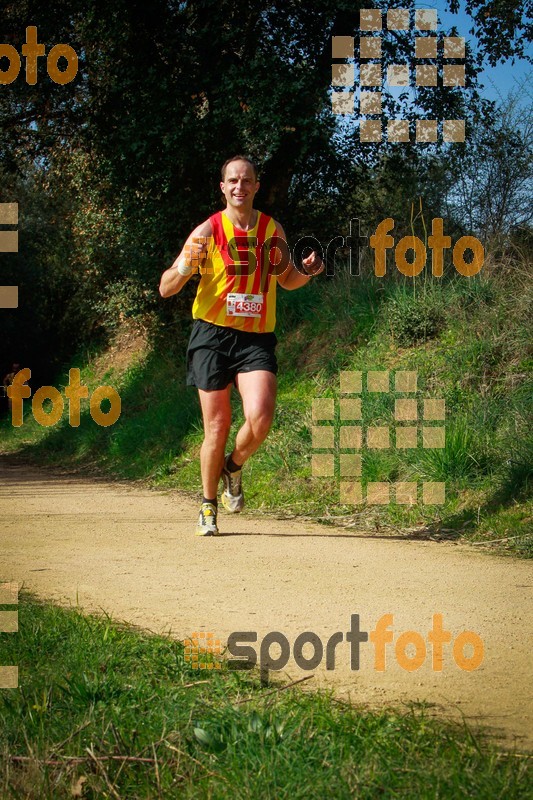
point(244, 219)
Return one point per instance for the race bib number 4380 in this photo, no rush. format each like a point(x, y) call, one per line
point(244, 305)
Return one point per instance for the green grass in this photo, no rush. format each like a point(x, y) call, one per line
point(96, 698)
point(468, 339)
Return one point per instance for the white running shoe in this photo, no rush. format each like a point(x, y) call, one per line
point(207, 521)
point(232, 495)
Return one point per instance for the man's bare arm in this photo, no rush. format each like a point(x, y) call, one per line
point(172, 280)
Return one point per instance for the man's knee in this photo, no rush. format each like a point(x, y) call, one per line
point(218, 428)
point(260, 421)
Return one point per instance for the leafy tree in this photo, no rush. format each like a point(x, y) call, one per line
point(492, 179)
point(503, 28)
point(127, 154)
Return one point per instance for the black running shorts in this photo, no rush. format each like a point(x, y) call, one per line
point(216, 354)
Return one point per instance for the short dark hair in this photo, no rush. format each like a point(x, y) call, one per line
point(239, 158)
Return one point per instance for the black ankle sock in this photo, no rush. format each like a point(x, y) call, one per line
point(231, 466)
point(213, 502)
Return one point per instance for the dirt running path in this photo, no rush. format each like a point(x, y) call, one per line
point(130, 551)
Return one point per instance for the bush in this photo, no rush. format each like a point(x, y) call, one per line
point(415, 318)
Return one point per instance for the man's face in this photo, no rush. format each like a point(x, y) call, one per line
point(239, 186)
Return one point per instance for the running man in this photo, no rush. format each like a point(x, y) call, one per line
point(232, 338)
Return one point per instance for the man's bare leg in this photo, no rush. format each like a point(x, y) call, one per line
point(258, 393)
point(216, 412)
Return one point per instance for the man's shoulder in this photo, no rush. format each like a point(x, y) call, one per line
point(279, 227)
point(205, 228)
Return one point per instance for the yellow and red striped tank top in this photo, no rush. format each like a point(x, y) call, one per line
point(239, 265)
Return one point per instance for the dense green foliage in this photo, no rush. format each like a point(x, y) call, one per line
point(112, 170)
point(468, 338)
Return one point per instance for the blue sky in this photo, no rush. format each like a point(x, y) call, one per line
point(498, 81)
